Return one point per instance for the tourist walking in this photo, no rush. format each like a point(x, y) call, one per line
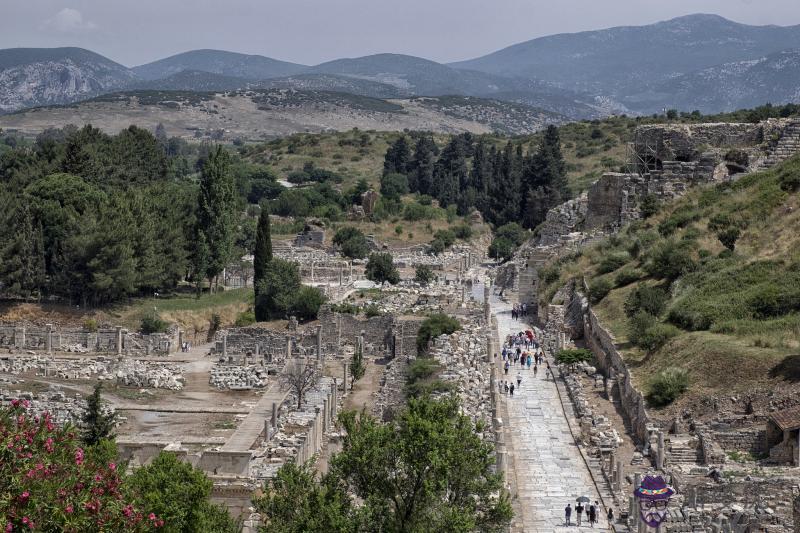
point(529, 361)
point(578, 513)
point(505, 367)
point(519, 379)
point(592, 514)
point(511, 389)
point(535, 370)
point(610, 515)
point(567, 514)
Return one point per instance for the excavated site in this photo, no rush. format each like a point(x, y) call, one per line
point(228, 406)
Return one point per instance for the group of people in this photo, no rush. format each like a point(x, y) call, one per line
point(592, 513)
point(185, 346)
point(519, 310)
point(523, 349)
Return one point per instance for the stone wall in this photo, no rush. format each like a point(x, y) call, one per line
point(23, 336)
point(753, 441)
point(684, 142)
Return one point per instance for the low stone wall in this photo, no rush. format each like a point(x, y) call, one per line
point(106, 340)
point(753, 441)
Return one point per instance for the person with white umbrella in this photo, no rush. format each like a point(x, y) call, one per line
point(580, 507)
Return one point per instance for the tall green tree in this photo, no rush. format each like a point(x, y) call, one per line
point(215, 213)
point(98, 422)
point(22, 267)
point(262, 254)
point(398, 157)
point(423, 165)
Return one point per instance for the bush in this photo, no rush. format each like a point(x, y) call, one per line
point(90, 325)
point(612, 262)
point(652, 300)
point(394, 185)
point(306, 302)
point(245, 319)
point(670, 260)
point(502, 249)
point(570, 357)
point(414, 212)
point(728, 237)
point(433, 326)
point(447, 237)
point(380, 268)
point(598, 289)
point(372, 310)
point(549, 274)
point(424, 275)
point(463, 232)
point(152, 323)
point(680, 218)
point(667, 386)
point(352, 242)
point(276, 292)
point(649, 206)
point(646, 332)
point(626, 276)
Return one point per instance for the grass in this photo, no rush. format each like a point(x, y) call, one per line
point(740, 311)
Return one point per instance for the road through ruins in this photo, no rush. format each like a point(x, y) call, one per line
point(545, 464)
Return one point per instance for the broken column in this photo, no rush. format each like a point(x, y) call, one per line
point(274, 418)
point(319, 342)
point(660, 451)
point(619, 478)
point(119, 340)
point(48, 341)
point(288, 347)
point(19, 337)
point(344, 376)
point(487, 309)
point(225, 345)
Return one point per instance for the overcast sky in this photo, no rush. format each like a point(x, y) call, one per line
point(313, 31)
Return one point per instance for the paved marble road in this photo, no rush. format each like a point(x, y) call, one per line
point(546, 462)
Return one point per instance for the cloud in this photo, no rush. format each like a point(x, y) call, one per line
point(69, 20)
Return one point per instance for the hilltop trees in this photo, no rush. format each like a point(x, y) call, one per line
point(505, 184)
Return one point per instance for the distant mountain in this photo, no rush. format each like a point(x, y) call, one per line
point(193, 80)
point(44, 76)
point(336, 83)
point(743, 84)
point(250, 67)
point(617, 62)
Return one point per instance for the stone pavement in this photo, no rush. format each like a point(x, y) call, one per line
point(545, 464)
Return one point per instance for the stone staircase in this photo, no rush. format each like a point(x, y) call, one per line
point(787, 146)
point(683, 453)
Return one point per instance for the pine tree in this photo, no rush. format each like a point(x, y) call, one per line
point(22, 266)
point(451, 172)
point(262, 254)
point(423, 165)
point(398, 157)
point(98, 423)
point(215, 217)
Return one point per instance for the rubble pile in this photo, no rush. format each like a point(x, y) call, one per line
point(238, 377)
point(596, 430)
point(63, 409)
point(148, 374)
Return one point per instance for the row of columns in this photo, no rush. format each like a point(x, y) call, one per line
point(323, 421)
point(21, 332)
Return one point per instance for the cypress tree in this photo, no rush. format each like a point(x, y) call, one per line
point(423, 164)
point(97, 423)
point(262, 254)
point(216, 204)
point(398, 157)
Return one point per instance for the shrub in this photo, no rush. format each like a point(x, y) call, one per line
point(424, 275)
point(394, 185)
point(245, 318)
point(277, 290)
point(372, 310)
point(649, 206)
point(670, 260)
point(667, 386)
point(380, 268)
point(728, 237)
point(680, 218)
point(447, 237)
point(90, 325)
point(346, 308)
point(501, 248)
point(398, 230)
point(433, 326)
point(414, 212)
point(306, 302)
point(152, 323)
point(463, 232)
point(646, 332)
point(626, 276)
point(652, 300)
point(612, 262)
point(549, 274)
point(598, 289)
point(569, 357)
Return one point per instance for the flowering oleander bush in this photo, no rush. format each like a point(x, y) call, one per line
point(48, 482)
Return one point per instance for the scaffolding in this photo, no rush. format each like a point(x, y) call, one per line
point(643, 155)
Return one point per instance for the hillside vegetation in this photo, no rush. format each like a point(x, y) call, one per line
point(710, 284)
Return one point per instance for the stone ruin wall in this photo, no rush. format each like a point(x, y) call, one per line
point(105, 340)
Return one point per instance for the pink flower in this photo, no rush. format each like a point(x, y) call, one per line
point(9, 527)
point(152, 516)
point(128, 510)
point(15, 403)
point(78, 456)
point(24, 496)
point(26, 403)
point(69, 509)
point(48, 445)
point(112, 466)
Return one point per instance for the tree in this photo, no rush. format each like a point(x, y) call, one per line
point(306, 302)
point(397, 157)
point(380, 268)
point(299, 376)
point(357, 366)
point(294, 502)
point(215, 216)
point(424, 275)
point(276, 290)
point(352, 242)
point(22, 268)
point(423, 165)
point(98, 422)
point(394, 185)
point(435, 325)
point(428, 470)
point(179, 494)
point(262, 254)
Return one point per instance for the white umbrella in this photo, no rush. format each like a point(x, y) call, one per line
point(583, 499)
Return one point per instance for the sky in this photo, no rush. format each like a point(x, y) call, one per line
point(313, 31)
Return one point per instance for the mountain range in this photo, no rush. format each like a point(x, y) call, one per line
point(702, 62)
